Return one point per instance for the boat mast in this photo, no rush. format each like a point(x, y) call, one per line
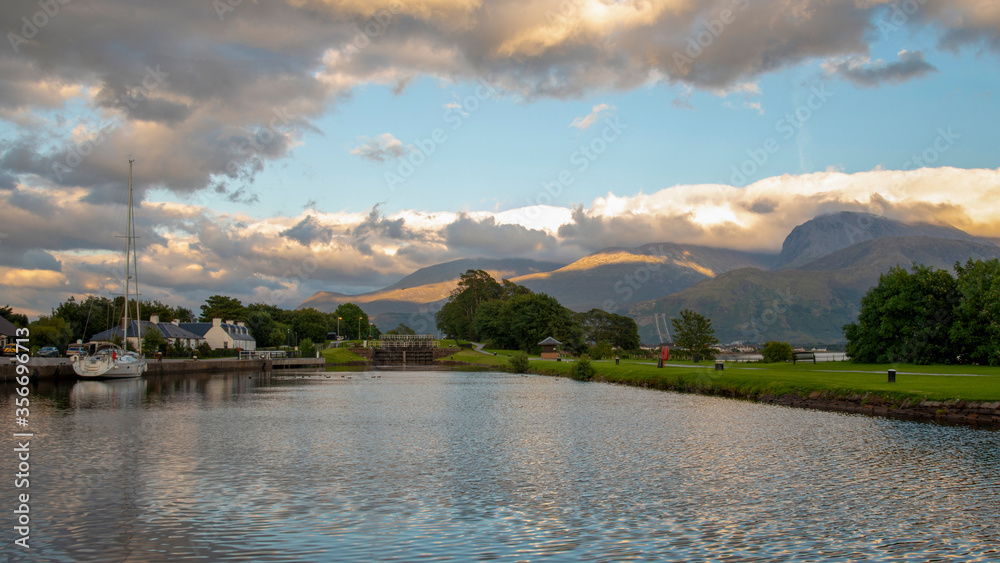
point(129, 260)
point(135, 260)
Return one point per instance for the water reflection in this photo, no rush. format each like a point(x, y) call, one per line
point(441, 465)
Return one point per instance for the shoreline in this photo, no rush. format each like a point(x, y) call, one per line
point(977, 414)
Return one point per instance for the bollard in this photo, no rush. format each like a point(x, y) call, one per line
point(892, 376)
point(661, 363)
point(719, 366)
point(616, 360)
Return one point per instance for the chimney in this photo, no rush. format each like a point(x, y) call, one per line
point(240, 324)
point(175, 322)
point(229, 322)
point(155, 319)
point(217, 322)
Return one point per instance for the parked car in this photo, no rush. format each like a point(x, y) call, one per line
point(76, 350)
point(48, 352)
point(10, 350)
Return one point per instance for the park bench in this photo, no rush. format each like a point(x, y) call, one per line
point(797, 356)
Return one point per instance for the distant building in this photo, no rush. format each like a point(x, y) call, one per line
point(171, 332)
point(223, 335)
point(8, 332)
point(550, 349)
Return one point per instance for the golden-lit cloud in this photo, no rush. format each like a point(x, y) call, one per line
point(196, 252)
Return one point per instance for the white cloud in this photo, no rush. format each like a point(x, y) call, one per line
point(381, 149)
point(596, 112)
point(190, 252)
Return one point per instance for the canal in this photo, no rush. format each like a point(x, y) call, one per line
point(407, 465)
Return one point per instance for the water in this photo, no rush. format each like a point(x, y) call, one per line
point(485, 466)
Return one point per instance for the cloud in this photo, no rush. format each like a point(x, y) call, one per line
point(188, 252)
point(486, 237)
point(862, 72)
point(381, 149)
point(596, 112)
point(308, 231)
point(237, 91)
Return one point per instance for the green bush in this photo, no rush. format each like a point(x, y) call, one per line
point(582, 370)
point(601, 351)
point(306, 348)
point(776, 352)
point(518, 362)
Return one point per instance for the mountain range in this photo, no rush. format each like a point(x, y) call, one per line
point(803, 295)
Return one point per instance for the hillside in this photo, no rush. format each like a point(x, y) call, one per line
point(827, 234)
point(616, 277)
point(426, 285)
point(809, 304)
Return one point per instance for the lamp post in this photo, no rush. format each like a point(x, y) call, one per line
point(370, 326)
point(359, 327)
point(338, 328)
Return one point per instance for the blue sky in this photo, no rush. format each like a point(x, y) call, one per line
point(266, 136)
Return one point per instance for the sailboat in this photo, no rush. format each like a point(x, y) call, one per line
point(107, 359)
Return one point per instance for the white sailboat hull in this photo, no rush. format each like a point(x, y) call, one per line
point(106, 367)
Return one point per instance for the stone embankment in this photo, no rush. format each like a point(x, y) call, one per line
point(954, 411)
point(62, 368)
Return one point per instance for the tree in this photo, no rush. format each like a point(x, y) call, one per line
point(51, 331)
point(263, 329)
point(601, 351)
point(19, 320)
point(694, 333)
point(907, 317)
point(153, 342)
point(522, 321)
point(975, 334)
point(222, 307)
point(777, 351)
point(475, 287)
point(600, 326)
point(311, 324)
point(402, 329)
point(307, 349)
point(166, 312)
point(349, 314)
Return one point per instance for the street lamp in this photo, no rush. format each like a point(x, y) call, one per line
point(370, 326)
point(359, 327)
point(338, 328)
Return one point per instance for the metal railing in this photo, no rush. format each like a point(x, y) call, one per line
point(262, 354)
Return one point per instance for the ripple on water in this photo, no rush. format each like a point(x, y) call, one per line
point(495, 467)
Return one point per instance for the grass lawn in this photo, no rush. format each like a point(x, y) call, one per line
point(483, 358)
point(978, 383)
point(340, 355)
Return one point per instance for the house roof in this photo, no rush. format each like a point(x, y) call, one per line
point(236, 332)
point(7, 327)
point(168, 330)
point(549, 342)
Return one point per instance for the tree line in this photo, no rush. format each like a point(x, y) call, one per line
point(269, 325)
point(510, 316)
point(929, 316)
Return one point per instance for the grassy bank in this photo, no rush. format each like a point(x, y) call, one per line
point(935, 383)
point(340, 356)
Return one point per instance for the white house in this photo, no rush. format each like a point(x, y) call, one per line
point(223, 335)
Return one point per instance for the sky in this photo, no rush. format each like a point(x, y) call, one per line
point(286, 147)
